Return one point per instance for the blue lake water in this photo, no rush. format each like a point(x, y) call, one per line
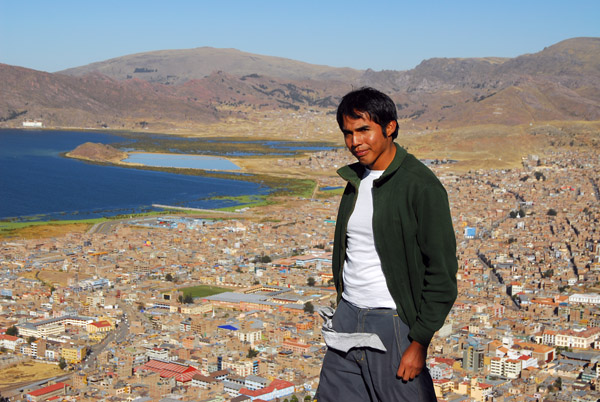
point(182, 161)
point(37, 183)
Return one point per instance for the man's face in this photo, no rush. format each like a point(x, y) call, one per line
point(365, 139)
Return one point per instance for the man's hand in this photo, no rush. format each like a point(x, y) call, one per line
point(413, 361)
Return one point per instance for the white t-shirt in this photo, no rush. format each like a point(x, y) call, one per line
point(364, 283)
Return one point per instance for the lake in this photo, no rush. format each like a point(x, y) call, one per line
point(181, 161)
point(36, 183)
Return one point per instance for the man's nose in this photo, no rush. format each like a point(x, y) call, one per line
point(356, 139)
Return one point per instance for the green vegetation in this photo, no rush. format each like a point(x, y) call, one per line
point(12, 331)
point(7, 227)
point(187, 299)
point(548, 273)
point(214, 146)
point(202, 291)
point(265, 259)
point(330, 193)
point(10, 228)
point(244, 201)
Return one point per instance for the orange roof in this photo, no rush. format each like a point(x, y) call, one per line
point(48, 389)
point(101, 324)
point(449, 362)
point(275, 384)
point(547, 302)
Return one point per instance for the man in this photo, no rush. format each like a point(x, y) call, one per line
point(394, 263)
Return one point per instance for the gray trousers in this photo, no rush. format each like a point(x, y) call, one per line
point(364, 374)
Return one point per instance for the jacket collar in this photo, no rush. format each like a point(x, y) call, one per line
point(354, 172)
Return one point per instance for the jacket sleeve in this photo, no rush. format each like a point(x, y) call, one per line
point(437, 244)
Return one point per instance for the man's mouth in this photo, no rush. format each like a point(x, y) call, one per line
point(360, 152)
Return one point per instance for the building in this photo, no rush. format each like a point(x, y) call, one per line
point(473, 358)
point(43, 394)
point(577, 339)
point(441, 371)
point(74, 353)
point(277, 389)
point(242, 368)
point(10, 342)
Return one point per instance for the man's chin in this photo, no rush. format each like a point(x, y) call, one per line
point(364, 162)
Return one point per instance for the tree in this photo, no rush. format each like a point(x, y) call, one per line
point(309, 308)
point(294, 398)
point(310, 281)
point(62, 363)
point(169, 277)
point(12, 331)
point(252, 353)
point(551, 212)
point(558, 383)
point(188, 299)
point(31, 339)
point(307, 398)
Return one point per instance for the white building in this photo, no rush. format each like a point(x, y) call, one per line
point(584, 298)
point(577, 339)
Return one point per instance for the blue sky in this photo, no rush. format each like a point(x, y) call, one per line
point(52, 35)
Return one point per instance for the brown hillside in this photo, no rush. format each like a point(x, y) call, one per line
point(182, 89)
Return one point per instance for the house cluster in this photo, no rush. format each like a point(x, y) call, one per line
point(524, 327)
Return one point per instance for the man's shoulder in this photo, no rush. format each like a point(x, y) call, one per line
point(351, 172)
point(413, 168)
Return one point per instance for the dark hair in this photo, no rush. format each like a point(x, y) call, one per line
point(378, 106)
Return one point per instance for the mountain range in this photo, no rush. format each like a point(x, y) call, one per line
point(174, 88)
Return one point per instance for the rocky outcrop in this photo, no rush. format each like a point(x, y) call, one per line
point(95, 152)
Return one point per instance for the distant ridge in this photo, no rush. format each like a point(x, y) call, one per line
point(179, 66)
point(188, 88)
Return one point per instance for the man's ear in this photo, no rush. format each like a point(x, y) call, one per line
point(390, 128)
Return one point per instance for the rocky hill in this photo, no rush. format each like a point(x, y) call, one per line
point(97, 153)
point(187, 88)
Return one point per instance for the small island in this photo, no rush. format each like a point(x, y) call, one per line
point(96, 152)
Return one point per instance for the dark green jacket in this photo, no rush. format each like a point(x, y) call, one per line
point(414, 239)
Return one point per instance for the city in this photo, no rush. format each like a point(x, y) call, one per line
point(110, 307)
